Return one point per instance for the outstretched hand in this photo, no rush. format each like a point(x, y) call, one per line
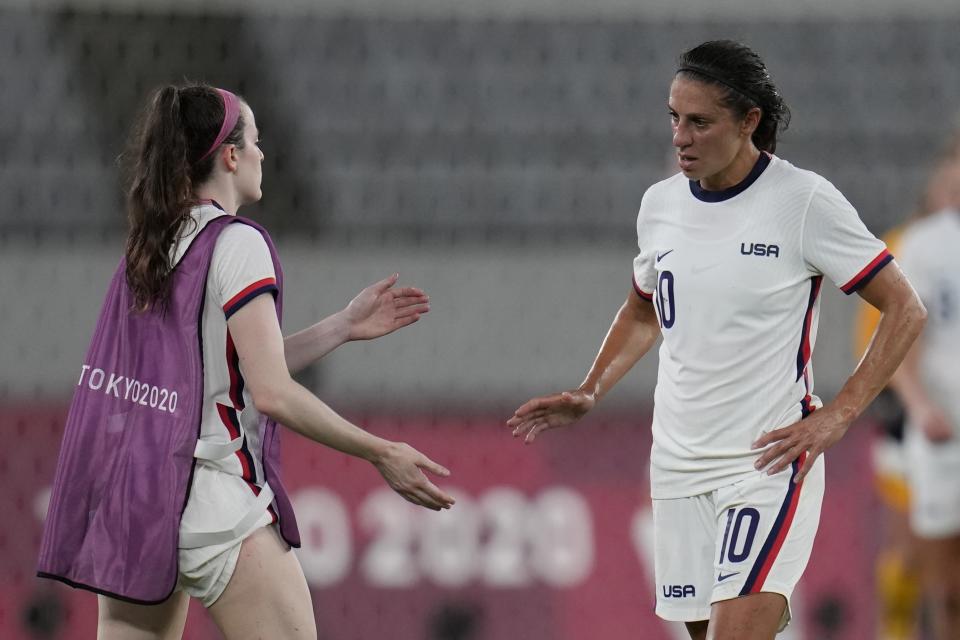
point(547, 412)
point(402, 467)
point(814, 434)
point(381, 309)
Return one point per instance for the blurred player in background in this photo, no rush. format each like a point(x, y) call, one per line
point(168, 480)
point(897, 574)
point(897, 579)
point(733, 250)
point(928, 383)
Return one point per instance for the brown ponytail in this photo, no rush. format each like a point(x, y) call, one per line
point(176, 129)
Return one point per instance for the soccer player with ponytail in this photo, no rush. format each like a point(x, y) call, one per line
point(168, 483)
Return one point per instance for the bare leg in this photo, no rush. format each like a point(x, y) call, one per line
point(267, 596)
point(941, 568)
point(119, 620)
point(753, 617)
point(697, 630)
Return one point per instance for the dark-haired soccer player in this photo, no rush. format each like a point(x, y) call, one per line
point(733, 253)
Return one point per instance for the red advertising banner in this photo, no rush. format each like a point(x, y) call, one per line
point(550, 541)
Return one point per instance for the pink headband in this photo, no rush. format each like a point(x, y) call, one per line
point(231, 113)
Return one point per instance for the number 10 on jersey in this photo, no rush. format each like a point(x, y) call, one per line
point(663, 300)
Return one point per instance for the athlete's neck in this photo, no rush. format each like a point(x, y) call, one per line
point(735, 172)
point(223, 196)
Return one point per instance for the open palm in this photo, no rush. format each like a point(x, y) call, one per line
point(381, 309)
point(548, 412)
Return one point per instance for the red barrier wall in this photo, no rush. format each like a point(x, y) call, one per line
point(547, 542)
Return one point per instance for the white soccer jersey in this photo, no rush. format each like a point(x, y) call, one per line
point(930, 260)
point(735, 278)
point(240, 269)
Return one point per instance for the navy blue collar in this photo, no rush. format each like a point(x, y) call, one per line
point(719, 196)
point(212, 202)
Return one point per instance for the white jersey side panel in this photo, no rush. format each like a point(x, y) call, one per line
point(736, 286)
point(240, 270)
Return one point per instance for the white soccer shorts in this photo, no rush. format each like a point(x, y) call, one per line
point(933, 471)
point(217, 502)
point(749, 537)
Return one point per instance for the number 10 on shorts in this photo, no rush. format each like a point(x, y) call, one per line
point(738, 536)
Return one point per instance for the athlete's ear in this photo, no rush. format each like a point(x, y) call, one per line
point(750, 121)
point(229, 156)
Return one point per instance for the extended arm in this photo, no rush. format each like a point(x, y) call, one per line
point(902, 319)
point(309, 345)
point(376, 311)
point(260, 345)
point(633, 332)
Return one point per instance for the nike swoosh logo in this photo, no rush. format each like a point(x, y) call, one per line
point(721, 577)
point(661, 256)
